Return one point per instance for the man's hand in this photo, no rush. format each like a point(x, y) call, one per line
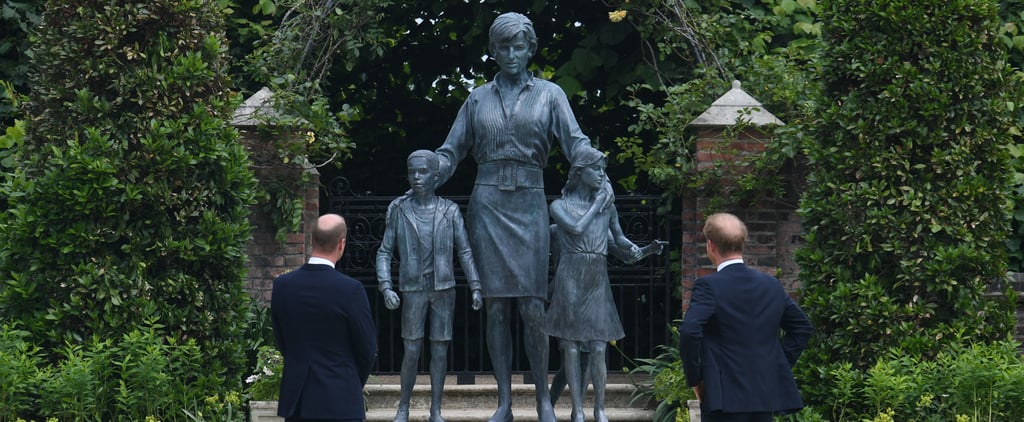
point(391, 300)
point(478, 300)
point(698, 390)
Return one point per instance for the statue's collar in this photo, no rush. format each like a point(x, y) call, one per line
point(529, 78)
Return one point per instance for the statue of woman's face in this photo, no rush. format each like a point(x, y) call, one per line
point(513, 55)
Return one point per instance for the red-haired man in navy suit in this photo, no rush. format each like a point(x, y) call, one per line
point(324, 330)
point(733, 355)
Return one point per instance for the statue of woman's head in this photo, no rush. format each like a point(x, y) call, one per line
point(506, 26)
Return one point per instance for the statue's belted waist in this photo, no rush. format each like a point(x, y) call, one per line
point(510, 175)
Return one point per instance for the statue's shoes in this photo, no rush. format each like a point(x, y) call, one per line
point(545, 412)
point(503, 414)
point(402, 415)
point(437, 418)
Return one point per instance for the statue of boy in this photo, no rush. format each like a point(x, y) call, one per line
point(427, 230)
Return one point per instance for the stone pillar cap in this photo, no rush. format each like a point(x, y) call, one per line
point(256, 109)
point(735, 107)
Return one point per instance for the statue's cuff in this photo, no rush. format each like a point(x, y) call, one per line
point(474, 285)
point(385, 285)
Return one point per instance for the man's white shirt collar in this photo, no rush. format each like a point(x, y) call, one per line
point(320, 261)
point(729, 262)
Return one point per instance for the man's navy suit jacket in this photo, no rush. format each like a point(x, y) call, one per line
point(325, 331)
point(730, 341)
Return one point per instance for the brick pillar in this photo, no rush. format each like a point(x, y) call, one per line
point(729, 135)
point(269, 256)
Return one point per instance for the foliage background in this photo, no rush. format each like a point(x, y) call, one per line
point(906, 211)
point(634, 85)
point(128, 206)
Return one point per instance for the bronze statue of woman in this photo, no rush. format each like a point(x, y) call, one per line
point(509, 126)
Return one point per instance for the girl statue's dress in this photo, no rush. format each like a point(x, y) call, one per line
point(582, 307)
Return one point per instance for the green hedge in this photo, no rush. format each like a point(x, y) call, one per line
point(129, 204)
point(138, 376)
point(906, 209)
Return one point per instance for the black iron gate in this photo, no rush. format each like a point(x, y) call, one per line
point(643, 291)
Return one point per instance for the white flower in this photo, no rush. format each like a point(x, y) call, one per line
point(266, 370)
point(252, 378)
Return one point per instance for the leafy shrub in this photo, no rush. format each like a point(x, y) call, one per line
point(129, 203)
point(977, 382)
point(906, 210)
point(265, 382)
point(964, 382)
point(667, 387)
point(19, 363)
point(140, 375)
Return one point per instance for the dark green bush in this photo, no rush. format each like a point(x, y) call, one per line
point(906, 208)
point(984, 382)
point(129, 204)
point(19, 367)
point(138, 376)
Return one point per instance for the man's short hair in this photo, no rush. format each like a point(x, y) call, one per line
point(727, 232)
point(327, 238)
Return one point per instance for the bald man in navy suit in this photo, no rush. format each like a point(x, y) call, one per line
point(325, 331)
point(733, 355)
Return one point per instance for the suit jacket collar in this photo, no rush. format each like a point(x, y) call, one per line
point(316, 260)
point(730, 262)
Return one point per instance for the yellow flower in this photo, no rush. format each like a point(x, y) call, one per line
point(962, 418)
point(925, 400)
point(310, 137)
point(617, 16)
point(232, 398)
point(886, 416)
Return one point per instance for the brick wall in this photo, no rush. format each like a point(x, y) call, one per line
point(773, 227)
point(269, 257)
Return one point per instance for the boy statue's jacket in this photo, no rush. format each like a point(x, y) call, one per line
point(449, 238)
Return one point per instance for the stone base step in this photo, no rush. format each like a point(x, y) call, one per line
point(520, 414)
point(267, 412)
point(485, 396)
point(476, 399)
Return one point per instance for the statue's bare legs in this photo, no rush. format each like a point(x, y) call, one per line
point(408, 377)
point(573, 375)
point(599, 374)
point(535, 343)
point(499, 346)
point(438, 368)
point(559, 382)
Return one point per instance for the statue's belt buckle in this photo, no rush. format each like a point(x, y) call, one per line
point(507, 176)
